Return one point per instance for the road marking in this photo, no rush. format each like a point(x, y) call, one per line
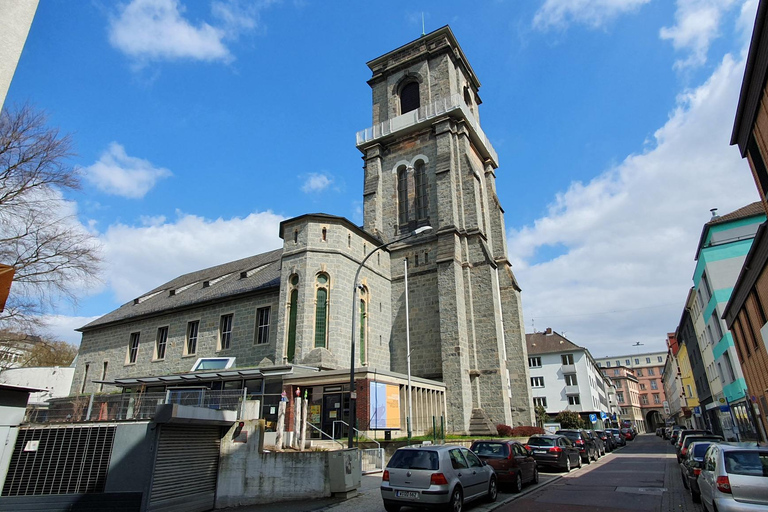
point(655, 491)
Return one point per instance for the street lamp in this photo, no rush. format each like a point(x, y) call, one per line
point(352, 392)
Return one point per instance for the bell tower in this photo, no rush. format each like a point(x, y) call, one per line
point(428, 162)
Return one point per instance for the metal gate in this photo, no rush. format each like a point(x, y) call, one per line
point(372, 460)
point(186, 465)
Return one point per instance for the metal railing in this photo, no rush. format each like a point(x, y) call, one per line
point(322, 433)
point(378, 445)
point(424, 113)
point(129, 406)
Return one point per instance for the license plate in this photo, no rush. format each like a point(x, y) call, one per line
point(407, 494)
point(539, 451)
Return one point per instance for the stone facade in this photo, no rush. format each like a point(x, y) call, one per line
point(431, 166)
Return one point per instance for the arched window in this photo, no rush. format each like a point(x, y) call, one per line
point(292, 310)
point(321, 311)
point(412, 196)
point(409, 97)
point(363, 325)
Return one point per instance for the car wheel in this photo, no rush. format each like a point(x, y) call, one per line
point(579, 466)
point(595, 456)
point(568, 464)
point(518, 485)
point(493, 490)
point(457, 500)
point(391, 508)
point(588, 460)
point(696, 497)
point(535, 475)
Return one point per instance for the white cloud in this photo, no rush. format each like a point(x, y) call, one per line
point(316, 182)
point(697, 24)
point(63, 327)
point(156, 30)
point(140, 258)
point(118, 174)
point(594, 13)
point(631, 233)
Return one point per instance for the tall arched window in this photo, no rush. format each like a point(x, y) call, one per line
point(363, 325)
point(321, 311)
point(292, 310)
point(409, 97)
point(412, 196)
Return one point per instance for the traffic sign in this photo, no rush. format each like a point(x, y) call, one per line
point(593, 418)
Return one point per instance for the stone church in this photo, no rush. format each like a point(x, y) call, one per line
point(286, 316)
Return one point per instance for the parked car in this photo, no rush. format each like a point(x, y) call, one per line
point(686, 432)
point(582, 440)
point(690, 467)
point(628, 434)
point(513, 463)
point(674, 433)
point(607, 439)
point(659, 431)
point(598, 442)
point(618, 437)
point(554, 451)
point(442, 475)
point(734, 477)
point(694, 438)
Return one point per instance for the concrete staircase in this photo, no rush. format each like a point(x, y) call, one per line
point(480, 424)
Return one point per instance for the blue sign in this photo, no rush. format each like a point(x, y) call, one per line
point(593, 418)
point(613, 417)
point(697, 410)
point(724, 408)
point(603, 416)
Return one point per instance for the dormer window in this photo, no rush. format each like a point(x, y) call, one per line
point(409, 97)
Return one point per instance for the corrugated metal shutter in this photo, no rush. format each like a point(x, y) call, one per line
point(59, 460)
point(186, 467)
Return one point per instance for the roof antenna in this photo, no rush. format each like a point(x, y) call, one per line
point(422, 24)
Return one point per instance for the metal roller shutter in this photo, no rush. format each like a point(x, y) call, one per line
point(186, 466)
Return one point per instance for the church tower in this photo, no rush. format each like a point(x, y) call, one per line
point(428, 162)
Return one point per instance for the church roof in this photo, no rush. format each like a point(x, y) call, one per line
point(548, 342)
point(240, 277)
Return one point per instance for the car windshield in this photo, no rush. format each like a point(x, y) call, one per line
point(491, 450)
point(697, 439)
point(541, 441)
point(414, 459)
point(570, 435)
point(751, 463)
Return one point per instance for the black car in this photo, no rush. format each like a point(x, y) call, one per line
point(581, 439)
point(695, 438)
point(691, 466)
point(687, 432)
point(554, 451)
point(607, 438)
point(601, 448)
point(618, 437)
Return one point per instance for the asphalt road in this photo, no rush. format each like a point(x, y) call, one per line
point(643, 476)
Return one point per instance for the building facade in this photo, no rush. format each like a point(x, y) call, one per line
point(648, 368)
point(627, 395)
point(723, 247)
point(564, 377)
point(746, 313)
point(427, 164)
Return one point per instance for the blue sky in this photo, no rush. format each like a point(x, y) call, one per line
point(199, 126)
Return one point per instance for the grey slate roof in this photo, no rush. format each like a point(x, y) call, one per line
point(543, 343)
point(244, 276)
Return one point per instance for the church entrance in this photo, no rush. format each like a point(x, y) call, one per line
point(335, 415)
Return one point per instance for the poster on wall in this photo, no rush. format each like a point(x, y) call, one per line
point(384, 408)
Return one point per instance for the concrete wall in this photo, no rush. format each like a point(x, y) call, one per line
point(248, 475)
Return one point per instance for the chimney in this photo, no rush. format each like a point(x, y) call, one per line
point(548, 332)
point(714, 213)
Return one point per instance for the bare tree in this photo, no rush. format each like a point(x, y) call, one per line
point(52, 254)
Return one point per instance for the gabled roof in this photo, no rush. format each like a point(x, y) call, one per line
point(241, 277)
point(751, 210)
point(543, 343)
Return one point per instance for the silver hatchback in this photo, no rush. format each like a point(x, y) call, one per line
point(429, 476)
point(734, 477)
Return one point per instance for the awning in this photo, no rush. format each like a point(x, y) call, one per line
point(203, 376)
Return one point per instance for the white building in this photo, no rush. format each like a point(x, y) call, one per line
point(564, 376)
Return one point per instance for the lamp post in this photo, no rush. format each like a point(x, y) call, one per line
point(352, 392)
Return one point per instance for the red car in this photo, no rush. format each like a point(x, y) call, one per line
point(510, 460)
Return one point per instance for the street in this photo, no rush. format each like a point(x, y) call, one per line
point(641, 476)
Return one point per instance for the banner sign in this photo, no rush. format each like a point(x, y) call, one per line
point(384, 408)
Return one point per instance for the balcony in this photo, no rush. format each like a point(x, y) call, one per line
point(571, 390)
point(568, 368)
point(452, 106)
